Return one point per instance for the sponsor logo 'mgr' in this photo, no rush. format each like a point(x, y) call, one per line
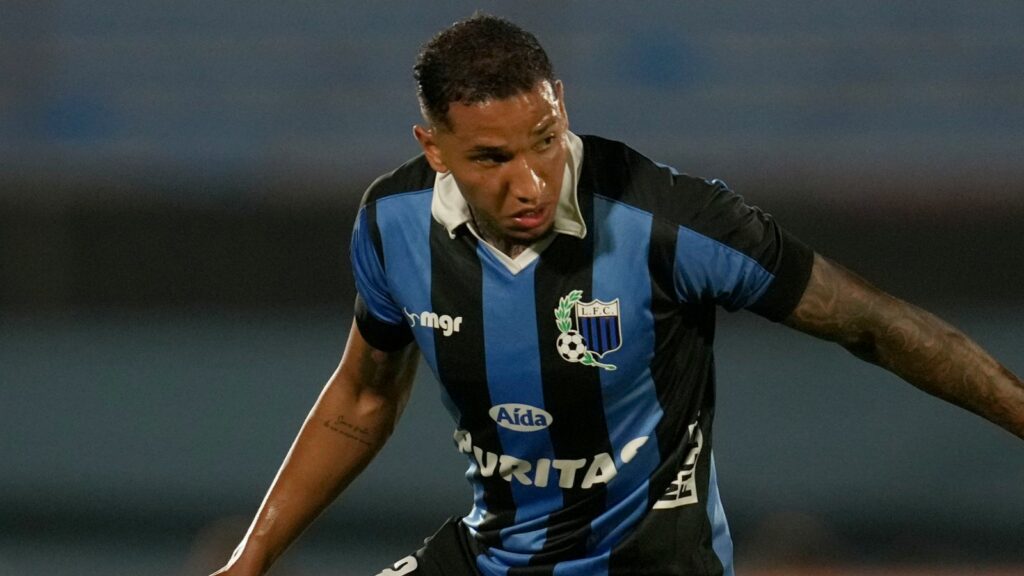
point(446, 324)
point(520, 417)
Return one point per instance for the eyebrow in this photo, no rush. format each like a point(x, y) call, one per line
point(481, 149)
point(544, 126)
point(487, 150)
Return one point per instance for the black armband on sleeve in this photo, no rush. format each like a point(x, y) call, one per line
point(380, 335)
point(791, 276)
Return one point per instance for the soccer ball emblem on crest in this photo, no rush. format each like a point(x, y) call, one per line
point(571, 346)
point(573, 343)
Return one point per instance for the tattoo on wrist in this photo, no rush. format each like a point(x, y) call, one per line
point(347, 429)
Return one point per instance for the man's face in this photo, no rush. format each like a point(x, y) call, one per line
point(508, 157)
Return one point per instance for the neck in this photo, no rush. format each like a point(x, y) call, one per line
point(510, 249)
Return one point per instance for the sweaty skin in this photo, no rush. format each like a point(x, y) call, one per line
point(909, 342)
point(353, 417)
point(508, 158)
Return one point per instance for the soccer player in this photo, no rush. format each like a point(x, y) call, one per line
point(562, 289)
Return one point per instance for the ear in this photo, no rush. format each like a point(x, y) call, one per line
point(428, 142)
point(560, 94)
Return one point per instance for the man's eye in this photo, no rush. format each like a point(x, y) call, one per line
point(490, 159)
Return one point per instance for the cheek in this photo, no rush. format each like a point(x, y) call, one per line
point(552, 172)
point(480, 193)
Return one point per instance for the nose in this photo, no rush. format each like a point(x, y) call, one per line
point(524, 183)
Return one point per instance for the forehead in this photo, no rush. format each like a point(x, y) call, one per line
point(521, 115)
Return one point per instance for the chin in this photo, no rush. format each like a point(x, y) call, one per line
point(529, 236)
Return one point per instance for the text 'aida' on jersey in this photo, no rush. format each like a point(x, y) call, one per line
point(520, 417)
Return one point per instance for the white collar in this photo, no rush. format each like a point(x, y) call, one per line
point(449, 208)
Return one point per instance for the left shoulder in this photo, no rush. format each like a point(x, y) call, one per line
point(615, 171)
point(613, 168)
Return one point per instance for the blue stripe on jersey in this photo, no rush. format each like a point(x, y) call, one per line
point(721, 539)
point(405, 234)
point(487, 566)
point(514, 376)
point(707, 268)
point(404, 222)
point(371, 280)
point(631, 406)
point(586, 567)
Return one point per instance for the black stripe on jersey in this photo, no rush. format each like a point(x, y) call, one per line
point(683, 339)
point(380, 335)
point(675, 540)
point(461, 363)
point(415, 174)
point(378, 243)
point(682, 333)
point(709, 208)
point(567, 265)
point(790, 280)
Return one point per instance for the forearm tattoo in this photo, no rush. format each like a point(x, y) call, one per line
point(378, 400)
point(910, 342)
point(342, 426)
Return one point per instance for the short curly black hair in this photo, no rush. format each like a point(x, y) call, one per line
point(477, 59)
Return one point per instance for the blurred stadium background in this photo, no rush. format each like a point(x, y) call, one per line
point(177, 184)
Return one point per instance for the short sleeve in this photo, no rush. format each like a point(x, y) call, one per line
point(380, 319)
point(737, 255)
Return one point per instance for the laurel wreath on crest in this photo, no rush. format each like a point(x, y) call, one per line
point(563, 318)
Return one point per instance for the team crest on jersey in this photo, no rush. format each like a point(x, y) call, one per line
point(588, 331)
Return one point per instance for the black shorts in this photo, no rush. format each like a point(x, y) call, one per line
point(446, 553)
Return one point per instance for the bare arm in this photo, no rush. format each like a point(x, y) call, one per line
point(353, 417)
point(910, 342)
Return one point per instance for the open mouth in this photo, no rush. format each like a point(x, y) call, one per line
point(528, 219)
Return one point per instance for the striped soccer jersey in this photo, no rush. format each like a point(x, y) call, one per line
point(582, 386)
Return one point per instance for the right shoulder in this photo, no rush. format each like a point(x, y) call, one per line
point(413, 176)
